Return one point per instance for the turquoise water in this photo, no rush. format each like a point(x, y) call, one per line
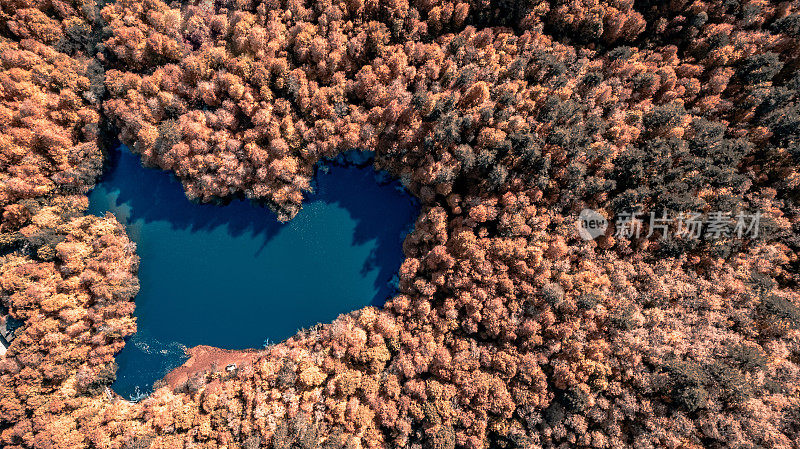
point(232, 276)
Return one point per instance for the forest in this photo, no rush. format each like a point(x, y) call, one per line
point(506, 118)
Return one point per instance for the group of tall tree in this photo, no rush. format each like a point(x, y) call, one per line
point(506, 119)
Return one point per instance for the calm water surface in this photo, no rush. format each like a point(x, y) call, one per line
point(234, 277)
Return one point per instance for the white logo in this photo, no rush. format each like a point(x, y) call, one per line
point(591, 224)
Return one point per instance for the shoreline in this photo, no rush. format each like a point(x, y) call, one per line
point(204, 358)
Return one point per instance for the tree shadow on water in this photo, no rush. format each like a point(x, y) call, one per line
point(383, 212)
point(152, 194)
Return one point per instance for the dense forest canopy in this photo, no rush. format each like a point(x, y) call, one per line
point(506, 119)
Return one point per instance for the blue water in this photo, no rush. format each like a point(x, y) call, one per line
point(234, 277)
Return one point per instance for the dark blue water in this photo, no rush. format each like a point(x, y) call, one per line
point(234, 277)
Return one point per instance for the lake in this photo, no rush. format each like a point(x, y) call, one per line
point(234, 277)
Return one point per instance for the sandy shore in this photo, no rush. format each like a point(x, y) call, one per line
point(208, 358)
